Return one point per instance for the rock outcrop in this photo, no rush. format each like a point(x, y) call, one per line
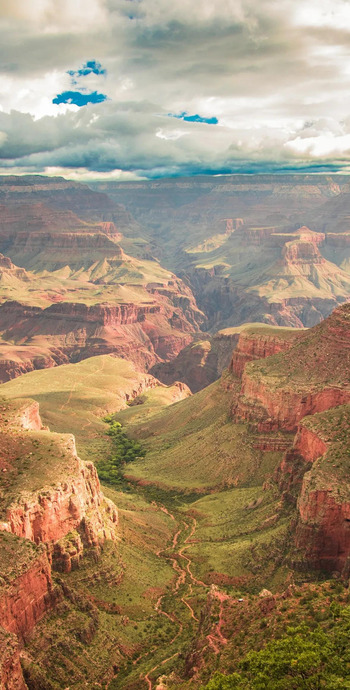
point(310, 376)
point(143, 333)
point(26, 590)
point(323, 529)
point(305, 388)
point(48, 517)
point(203, 361)
point(64, 497)
point(260, 342)
point(11, 676)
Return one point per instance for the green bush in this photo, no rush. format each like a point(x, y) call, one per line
point(125, 450)
point(303, 659)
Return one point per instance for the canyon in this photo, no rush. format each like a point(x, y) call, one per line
point(117, 303)
point(229, 236)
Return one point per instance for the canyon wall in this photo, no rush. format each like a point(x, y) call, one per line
point(11, 677)
point(255, 343)
point(142, 333)
point(46, 522)
point(304, 388)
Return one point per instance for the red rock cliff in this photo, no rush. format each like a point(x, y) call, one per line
point(74, 503)
point(11, 677)
point(260, 343)
point(311, 376)
point(323, 531)
point(27, 598)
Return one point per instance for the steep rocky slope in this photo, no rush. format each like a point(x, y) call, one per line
point(323, 530)
point(305, 389)
point(311, 376)
point(51, 509)
point(201, 362)
point(258, 342)
point(44, 499)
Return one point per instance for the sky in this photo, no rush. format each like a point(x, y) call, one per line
point(134, 89)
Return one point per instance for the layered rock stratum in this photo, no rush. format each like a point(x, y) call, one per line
point(305, 388)
point(52, 508)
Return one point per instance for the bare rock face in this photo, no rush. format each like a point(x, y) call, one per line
point(202, 362)
point(68, 552)
point(18, 360)
point(142, 333)
point(270, 410)
point(323, 531)
point(11, 677)
point(258, 343)
point(26, 599)
point(195, 365)
point(310, 376)
point(76, 503)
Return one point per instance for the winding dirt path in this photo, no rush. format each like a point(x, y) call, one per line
point(218, 638)
point(182, 574)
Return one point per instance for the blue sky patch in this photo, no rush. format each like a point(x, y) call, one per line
point(195, 118)
point(89, 67)
point(77, 98)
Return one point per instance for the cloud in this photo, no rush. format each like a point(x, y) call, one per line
point(273, 78)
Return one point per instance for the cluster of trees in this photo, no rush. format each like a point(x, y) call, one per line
point(124, 450)
point(303, 659)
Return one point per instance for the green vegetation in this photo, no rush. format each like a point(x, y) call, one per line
point(303, 659)
point(195, 446)
point(124, 450)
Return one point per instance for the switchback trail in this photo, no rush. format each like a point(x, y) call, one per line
point(181, 563)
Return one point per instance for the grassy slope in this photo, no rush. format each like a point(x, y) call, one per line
point(74, 397)
point(195, 446)
point(29, 460)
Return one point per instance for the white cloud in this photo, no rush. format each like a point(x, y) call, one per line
point(265, 69)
